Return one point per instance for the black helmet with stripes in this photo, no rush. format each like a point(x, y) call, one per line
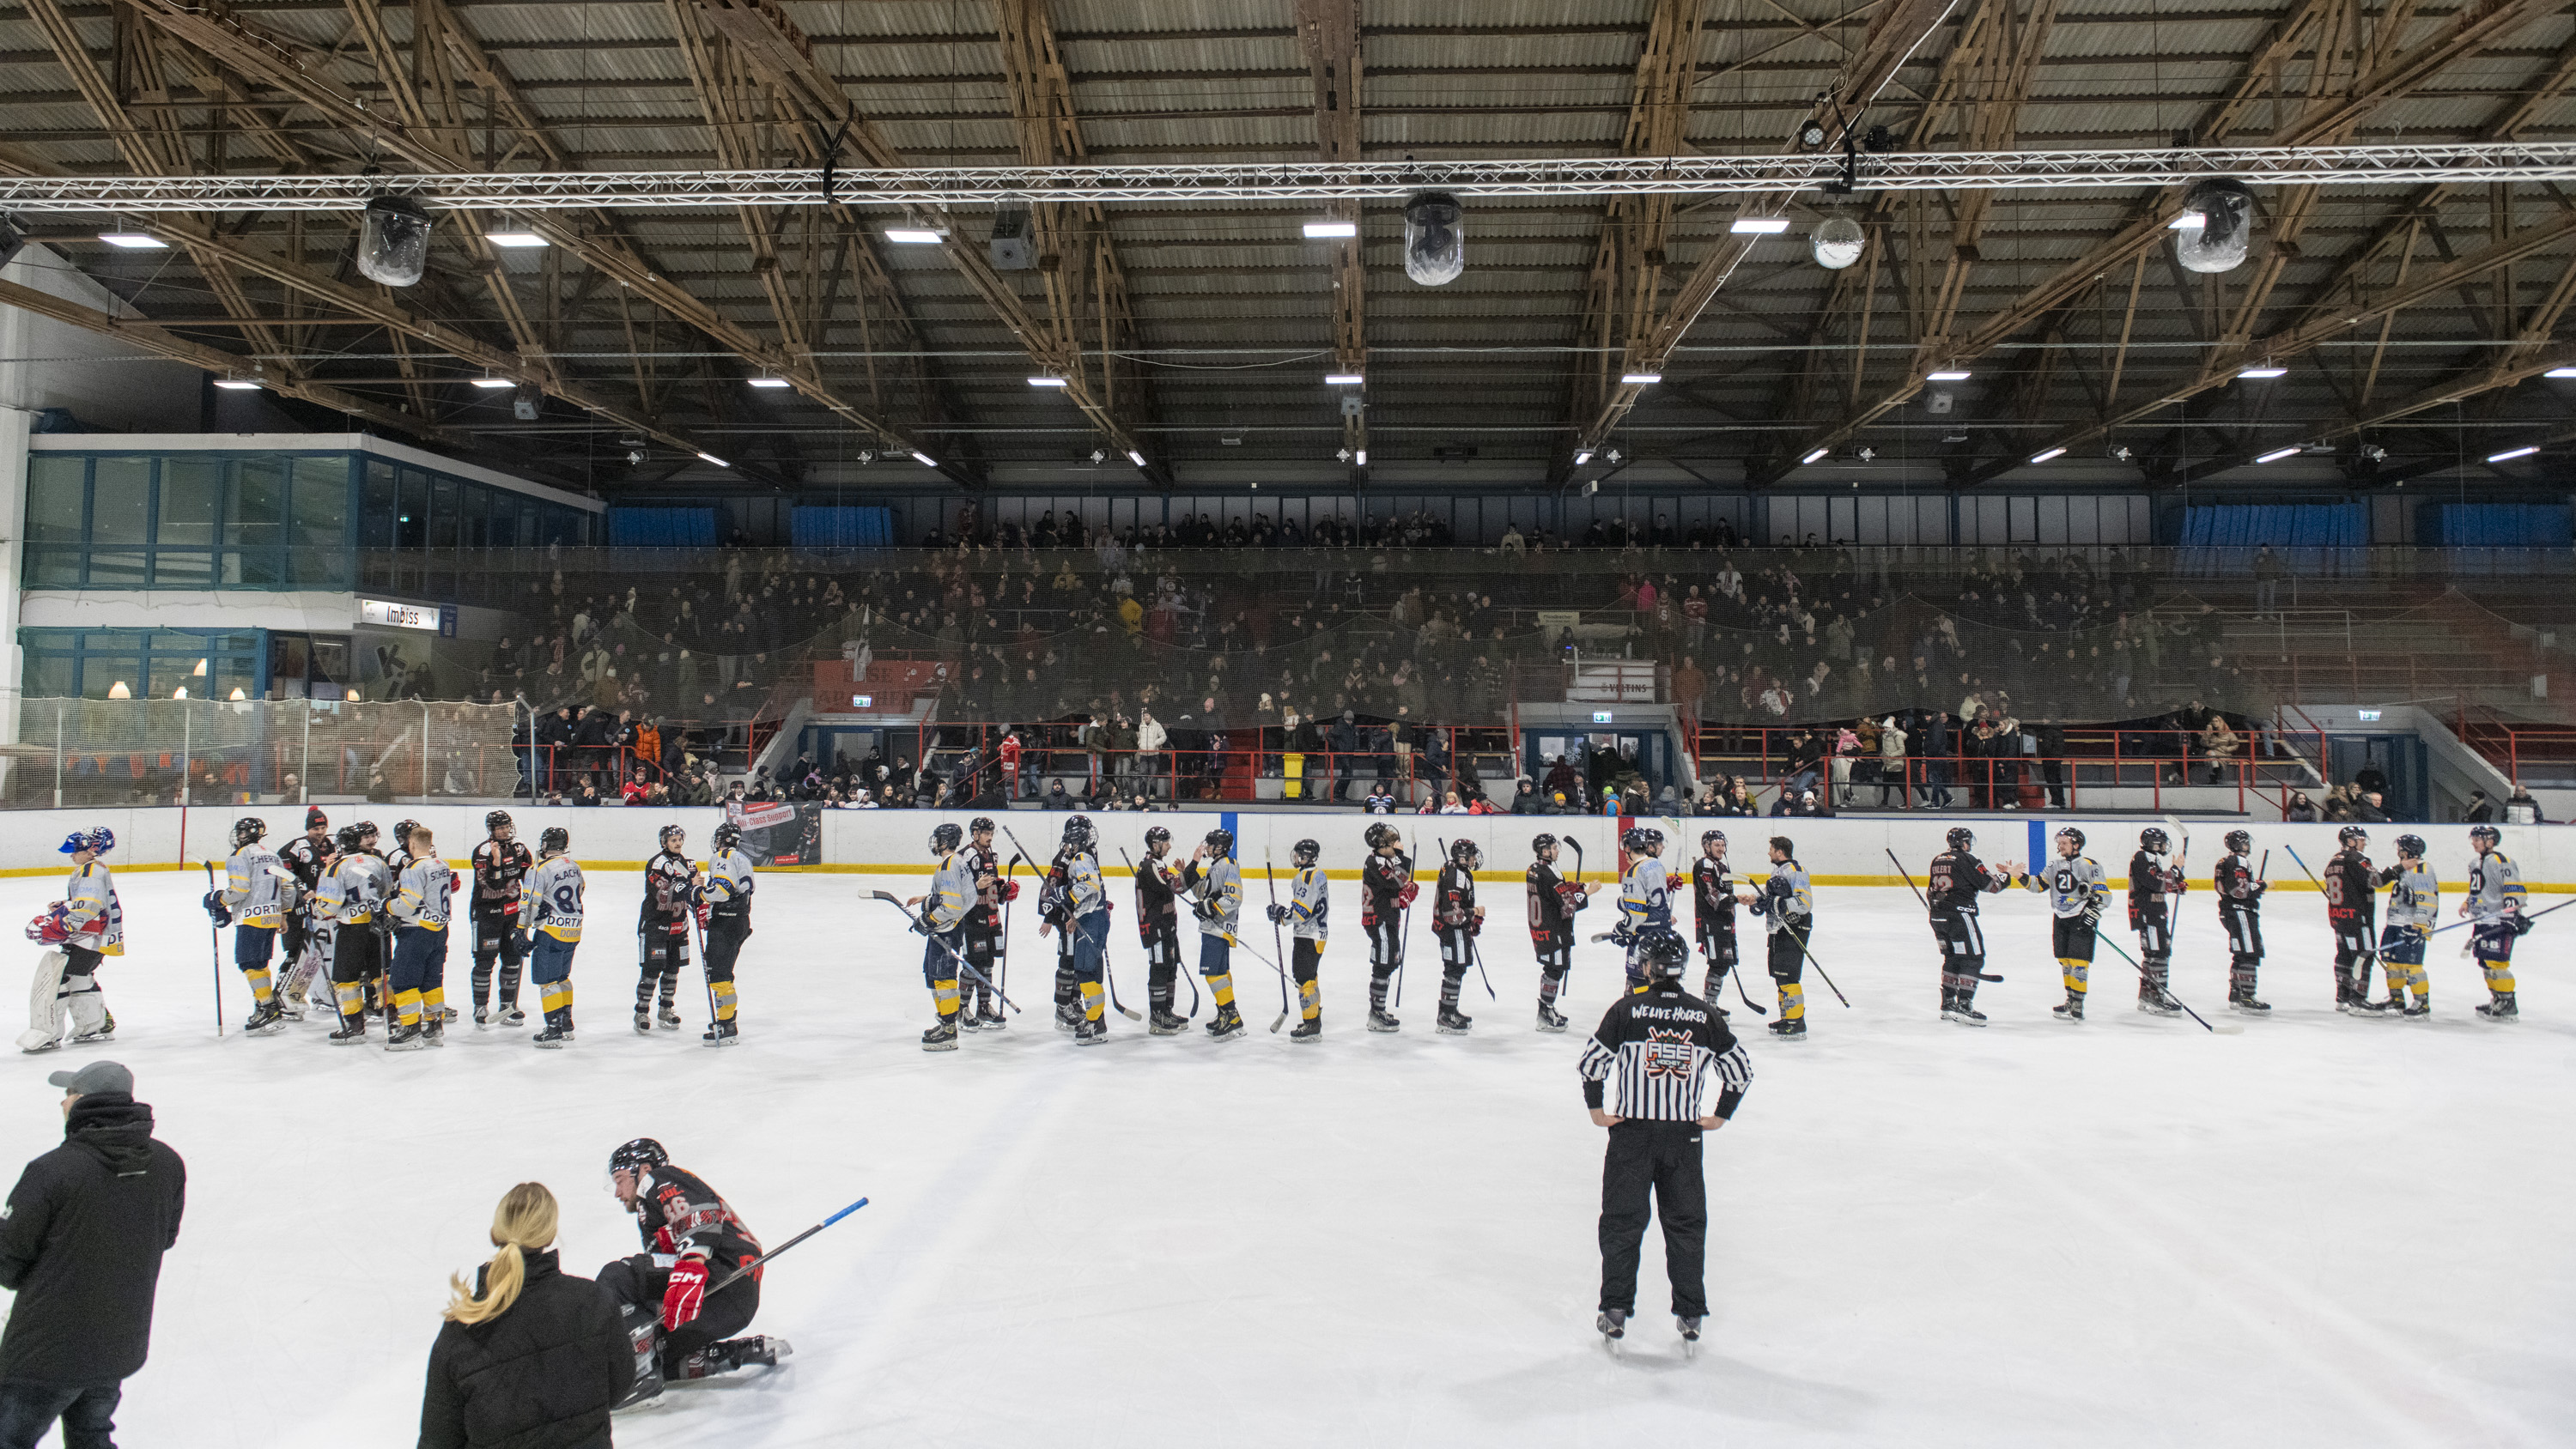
point(247, 829)
point(1305, 852)
point(1380, 836)
point(2238, 842)
point(1663, 953)
point(1542, 843)
point(1962, 838)
point(2154, 839)
point(2352, 835)
point(554, 840)
point(945, 837)
point(2411, 846)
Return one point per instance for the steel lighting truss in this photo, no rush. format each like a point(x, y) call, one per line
point(1314, 181)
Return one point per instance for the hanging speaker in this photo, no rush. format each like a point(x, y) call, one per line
point(1435, 238)
point(2216, 226)
point(393, 241)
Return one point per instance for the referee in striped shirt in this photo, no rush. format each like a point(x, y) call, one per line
point(1662, 1041)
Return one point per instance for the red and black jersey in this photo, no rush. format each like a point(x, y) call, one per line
point(1713, 897)
point(1957, 879)
point(2152, 882)
point(985, 865)
point(306, 857)
point(1382, 879)
point(1553, 900)
point(670, 889)
point(676, 1212)
point(2237, 888)
point(1055, 903)
point(2352, 896)
point(1158, 897)
point(499, 866)
point(1455, 907)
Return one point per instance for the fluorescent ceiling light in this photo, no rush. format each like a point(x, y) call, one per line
point(492, 384)
point(1639, 379)
point(1951, 374)
point(2264, 371)
point(1135, 457)
point(912, 236)
point(2277, 454)
point(2560, 372)
point(1582, 456)
point(1343, 379)
point(1814, 456)
point(712, 458)
point(1319, 230)
point(2061, 452)
point(2509, 454)
point(1361, 457)
point(514, 239)
point(134, 241)
point(235, 384)
point(1050, 382)
point(770, 382)
point(1759, 225)
point(925, 460)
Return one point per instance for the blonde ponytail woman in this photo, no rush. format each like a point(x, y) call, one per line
point(529, 1354)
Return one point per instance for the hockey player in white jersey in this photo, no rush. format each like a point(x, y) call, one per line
point(2077, 891)
point(724, 913)
point(81, 930)
point(257, 896)
point(550, 909)
point(2414, 900)
point(2501, 908)
point(1644, 897)
point(423, 898)
point(1305, 915)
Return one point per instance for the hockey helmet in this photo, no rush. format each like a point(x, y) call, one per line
point(1305, 852)
point(247, 829)
point(1663, 953)
point(1079, 833)
point(1379, 836)
point(2485, 837)
point(1708, 838)
point(2238, 842)
point(727, 836)
point(2154, 840)
point(2352, 835)
point(1464, 854)
point(314, 819)
point(1633, 840)
point(497, 821)
point(640, 1157)
point(366, 830)
point(1962, 838)
point(1157, 840)
point(1654, 838)
point(1221, 840)
point(97, 840)
point(351, 840)
point(403, 830)
point(980, 825)
point(2411, 846)
point(1541, 844)
point(945, 837)
point(2069, 835)
point(554, 840)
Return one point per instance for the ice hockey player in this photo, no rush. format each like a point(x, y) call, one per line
point(420, 908)
point(1386, 893)
point(2352, 904)
point(397, 858)
point(678, 1327)
point(1158, 924)
point(2154, 882)
point(500, 865)
point(83, 929)
point(1553, 900)
point(662, 930)
point(724, 913)
point(1456, 920)
point(1055, 915)
point(1306, 916)
point(1086, 906)
point(2077, 891)
point(1663, 1043)
point(1644, 896)
point(1713, 902)
point(2240, 911)
point(941, 916)
point(1957, 878)
point(350, 900)
point(304, 950)
point(257, 897)
point(1215, 885)
point(550, 917)
point(1787, 905)
point(2414, 899)
point(2496, 902)
point(976, 1009)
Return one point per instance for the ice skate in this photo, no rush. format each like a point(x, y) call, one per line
point(1067, 1016)
point(940, 1038)
point(1451, 1022)
point(287, 1009)
point(54, 1045)
point(2248, 1006)
point(643, 1021)
point(1550, 1019)
point(1091, 1033)
point(405, 1038)
point(1163, 1022)
point(351, 1033)
point(1789, 1030)
point(2420, 1011)
point(485, 1016)
point(2159, 1006)
point(669, 1018)
point(989, 1017)
point(267, 1020)
point(1964, 1014)
point(1379, 1021)
point(2071, 1009)
point(967, 1020)
point(554, 1038)
point(104, 1031)
point(433, 1032)
point(2499, 1010)
point(722, 1034)
point(757, 1351)
point(1227, 1025)
point(1612, 1325)
point(1311, 1029)
point(1687, 1325)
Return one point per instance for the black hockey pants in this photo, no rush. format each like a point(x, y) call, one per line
point(1663, 1157)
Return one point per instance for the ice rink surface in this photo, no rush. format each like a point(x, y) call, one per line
point(2321, 1232)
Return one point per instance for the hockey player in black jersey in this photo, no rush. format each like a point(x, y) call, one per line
point(500, 864)
point(2352, 909)
point(662, 930)
point(2155, 884)
point(976, 1010)
point(2240, 909)
point(1456, 920)
point(1662, 1043)
point(1713, 902)
point(1957, 878)
point(1158, 924)
point(1553, 900)
point(691, 1240)
point(1386, 891)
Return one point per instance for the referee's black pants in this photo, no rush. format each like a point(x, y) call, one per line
point(1663, 1156)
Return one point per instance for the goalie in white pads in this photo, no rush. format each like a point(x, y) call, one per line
point(82, 929)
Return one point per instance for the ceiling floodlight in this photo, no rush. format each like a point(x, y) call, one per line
point(393, 241)
point(1837, 242)
point(2509, 454)
point(1135, 457)
point(1360, 457)
point(1435, 241)
point(2225, 210)
point(1343, 379)
point(1325, 230)
point(2560, 372)
point(1582, 456)
point(1947, 374)
point(236, 384)
point(771, 384)
point(1050, 382)
point(1639, 379)
point(2259, 374)
point(1815, 456)
point(133, 241)
point(2058, 453)
point(925, 460)
point(712, 458)
point(492, 384)
point(2277, 454)
point(514, 239)
point(1759, 225)
point(913, 236)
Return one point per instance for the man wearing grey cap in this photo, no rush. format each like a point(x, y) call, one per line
point(80, 1244)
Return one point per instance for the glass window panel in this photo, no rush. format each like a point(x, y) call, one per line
point(322, 503)
point(528, 535)
point(321, 566)
point(120, 500)
point(182, 568)
point(503, 531)
point(192, 491)
point(255, 568)
point(255, 514)
point(473, 517)
point(116, 568)
point(56, 493)
point(46, 676)
point(411, 517)
point(100, 672)
point(442, 513)
point(376, 527)
point(54, 566)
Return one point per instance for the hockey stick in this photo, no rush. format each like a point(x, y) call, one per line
point(1927, 910)
point(1734, 969)
point(2233, 1028)
point(2533, 916)
point(1186, 978)
point(978, 977)
point(1404, 933)
point(762, 1261)
point(215, 952)
point(1270, 878)
point(1109, 976)
point(2363, 985)
point(1472, 953)
point(1004, 945)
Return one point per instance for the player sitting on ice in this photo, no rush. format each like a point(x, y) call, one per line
point(674, 1295)
point(79, 931)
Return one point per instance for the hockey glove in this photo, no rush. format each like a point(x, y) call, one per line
point(920, 925)
point(221, 914)
point(685, 1293)
point(1475, 925)
point(520, 940)
point(1405, 896)
point(2519, 922)
point(706, 913)
point(1621, 936)
point(1278, 915)
point(1010, 890)
point(2093, 916)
